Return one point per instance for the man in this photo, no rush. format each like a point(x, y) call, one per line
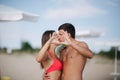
point(74, 56)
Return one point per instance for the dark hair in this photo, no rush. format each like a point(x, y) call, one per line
point(46, 36)
point(69, 28)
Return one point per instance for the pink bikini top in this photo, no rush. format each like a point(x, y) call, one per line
point(56, 65)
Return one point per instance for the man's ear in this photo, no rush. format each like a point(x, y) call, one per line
point(69, 34)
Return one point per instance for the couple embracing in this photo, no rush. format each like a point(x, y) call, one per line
point(61, 55)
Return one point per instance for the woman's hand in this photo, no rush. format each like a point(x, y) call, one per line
point(54, 38)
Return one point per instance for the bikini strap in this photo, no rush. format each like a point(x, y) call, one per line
point(51, 54)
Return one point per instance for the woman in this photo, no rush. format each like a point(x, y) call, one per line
point(47, 57)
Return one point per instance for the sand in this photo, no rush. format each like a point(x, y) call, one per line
point(24, 67)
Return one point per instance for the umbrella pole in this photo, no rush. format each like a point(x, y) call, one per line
point(115, 63)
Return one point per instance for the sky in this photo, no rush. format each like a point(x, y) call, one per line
point(94, 15)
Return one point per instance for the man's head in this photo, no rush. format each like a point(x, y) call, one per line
point(67, 27)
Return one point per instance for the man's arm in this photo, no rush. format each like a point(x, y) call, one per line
point(83, 49)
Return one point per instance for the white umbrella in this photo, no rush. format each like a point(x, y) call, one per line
point(11, 14)
point(88, 34)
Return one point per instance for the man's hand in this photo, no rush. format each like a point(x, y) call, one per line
point(46, 77)
point(66, 38)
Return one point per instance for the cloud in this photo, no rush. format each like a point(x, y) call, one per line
point(76, 9)
point(113, 2)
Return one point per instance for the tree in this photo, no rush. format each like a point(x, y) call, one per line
point(110, 53)
point(25, 46)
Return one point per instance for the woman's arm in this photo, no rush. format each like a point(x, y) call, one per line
point(41, 55)
point(43, 50)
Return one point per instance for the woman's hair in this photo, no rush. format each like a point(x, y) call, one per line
point(69, 28)
point(45, 38)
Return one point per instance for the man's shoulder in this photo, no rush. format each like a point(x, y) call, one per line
point(82, 43)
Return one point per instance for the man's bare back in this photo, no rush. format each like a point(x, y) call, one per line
point(73, 64)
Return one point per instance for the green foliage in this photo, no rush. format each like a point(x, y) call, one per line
point(3, 50)
point(25, 46)
point(110, 53)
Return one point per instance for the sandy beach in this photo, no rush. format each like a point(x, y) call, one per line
point(24, 67)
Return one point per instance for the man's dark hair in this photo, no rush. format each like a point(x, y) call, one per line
point(69, 28)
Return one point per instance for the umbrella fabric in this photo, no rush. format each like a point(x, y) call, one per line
point(11, 14)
